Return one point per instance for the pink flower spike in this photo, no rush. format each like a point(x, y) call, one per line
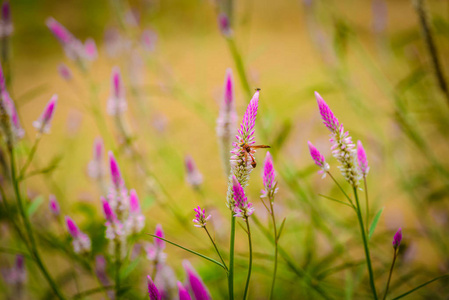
point(228, 98)
point(136, 220)
point(108, 213)
point(54, 206)
point(81, 242)
point(59, 31)
point(117, 102)
point(153, 292)
point(134, 206)
point(6, 27)
point(160, 233)
point(268, 176)
point(327, 115)
point(397, 238)
point(182, 292)
point(64, 72)
point(319, 159)
point(242, 207)
point(95, 167)
point(224, 25)
point(149, 38)
point(90, 49)
point(193, 176)
point(362, 160)
point(71, 227)
point(10, 108)
point(196, 284)
point(43, 124)
point(200, 217)
point(116, 175)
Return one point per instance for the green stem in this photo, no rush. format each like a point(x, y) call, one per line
point(341, 189)
point(117, 269)
point(365, 245)
point(239, 65)
point(367, 204)
point(231, 259)
point(216, 248)
point(391, 272)
point(276, 238)
point(30, 157)
point(250, 258)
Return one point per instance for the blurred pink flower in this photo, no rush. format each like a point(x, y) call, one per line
point(362, 160)
point(268, 177)
point(81, 242)
point(243, 208)
point(95, 167)
point(54, 205)
point(117, 102)
point(43, 124)
point(136, 220)
point(153, 292)
point(64, 72)
point(149, 39)
point(90, 49)
point(6, 26)
point(193, 176)
point(195, 282)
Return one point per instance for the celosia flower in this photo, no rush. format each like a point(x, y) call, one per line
point(193, 176)
point(153, 292)
point(6, 27)
point(54, 205)
point(114, 228)
point(155, 252)
point(240, 163)
point(243, 208)
point(117, 102)
point(227, 120)
point(10, 108)
point(268, 177)
point(166, 281)
point(64, 72)
point(182, 292)
point(73, 48)
point(118, 194)
point(136, 220)
point(200, 217)
point(90, 49)
point(397, 238)
point(319, 159)
point(95, 168)
point(43, 124)
point(362, 160)
point(224, 25)
point(342, 145)
point(149, 38)
point(197, 285)
point(160, 233)
point(81, 242)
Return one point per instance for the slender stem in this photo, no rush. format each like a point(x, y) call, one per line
point(275, 248)
point(365, 245)
point(367, 204)
point(216, 248)
point(250, 258)
point(117, 269)
point(231, 259)
point(239, 65)
point(30, 157)
point(391, 272)
point(341, 189)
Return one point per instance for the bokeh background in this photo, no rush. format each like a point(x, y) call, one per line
point(368, 59)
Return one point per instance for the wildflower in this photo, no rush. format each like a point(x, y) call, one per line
point(114, 228)
point(268, 177)
point(73, 48)
point(342, 145)
point(242, 207)
point(225, 25)
point(43, 124)
point(8, 105)
point(319, 159)
point(149, 38)
point(6, 27)
point(118, 195)
point(200, 217)
point(182, 292)
point(90, 49)
point(153, 292)
point(362, 160)
point(166, 281)
point(197, 285)
point(227, 119)
point(64, 72)
point(136, 220)
point(95, 167)
point(155, 252)
point(81, 242)
point(54, 205)
point(117, 102)
point(397, 239)
point(194, 177)
point(240, 164)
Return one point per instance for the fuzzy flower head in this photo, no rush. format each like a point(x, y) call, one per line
point(200, 217)
point(73, 48)
point(329, 119)
point(195, 282)
point(193, 176)
point(268, 177)
point(319, 159)
point(15, 275)
point(155, 252)
point(362, 160)
point(153, 292)
point(10, 108)
point(114, 228)
point(6, 27)
point(54, 205)
point(243, 208)
point(136, 220)
point(118, 194)
point(397, 238)
point(95, 168)
point(149, 39)
point(117, 102)
point(183, 293)
point(90, 49)
point(224, 25)
point(43, 124)
point(81, 242)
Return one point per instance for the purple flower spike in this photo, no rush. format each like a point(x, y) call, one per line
point(319, 159)
point(182, 292)
point(224, 25)
point(149, 38)
point(193, 176)
point(117, 102)
point(153, 292)
point(81, 242)
point(71, 227)
point(268, 177)
point(90, 49)
point(197, 285)
point(64, 72)
point(397, 238)
point(95, 167)
point(54, 206)
point(134, 206)
point(327, 115)
point(200, 217)
point(20, 270)
point(107, 210)
point(362, 160)
point(228, 88)
point(59, 31)
point(136, 220)
point(6, 27)
point(43, 124)
point(242, 207)
point(116, 175)
point(160, 233)
point(10, 108)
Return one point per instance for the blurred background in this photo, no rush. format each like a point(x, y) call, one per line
point(372, 62)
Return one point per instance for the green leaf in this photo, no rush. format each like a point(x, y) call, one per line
point(129, 268)
point(32, 208)
point(420, 286)
point(333, 199)
point(280, 229)
point(374, 223)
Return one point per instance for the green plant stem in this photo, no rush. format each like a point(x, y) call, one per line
point(117, 269)
point(365, 245)
point(30, 157)
point(239, 65)
point(391, 272)
point(216, 248)
point(29, 230)
point(250, 258)
point(367, 204)
point(276, 239)
point(231, 259)
point(341, 189)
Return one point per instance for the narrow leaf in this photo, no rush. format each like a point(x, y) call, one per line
point(333, 199)
point(280, 229)
point(420, 286)
point(32, 208)
point(374, 223)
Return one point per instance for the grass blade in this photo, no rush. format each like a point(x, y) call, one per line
point(420, 286)
point(374, 223)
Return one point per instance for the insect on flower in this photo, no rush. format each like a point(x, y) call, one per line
point(249, 150)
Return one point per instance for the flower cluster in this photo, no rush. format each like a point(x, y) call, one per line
point(81, 242)
point(117, 101)
point(95, 168)
point(200, 217)
point(54, 205)
point(43, 124)
point(242, 208)
point(397, 238)
point(319, 159)
point(155, 251)
point(268, 178)
point(362, 160)
point(10, 109)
